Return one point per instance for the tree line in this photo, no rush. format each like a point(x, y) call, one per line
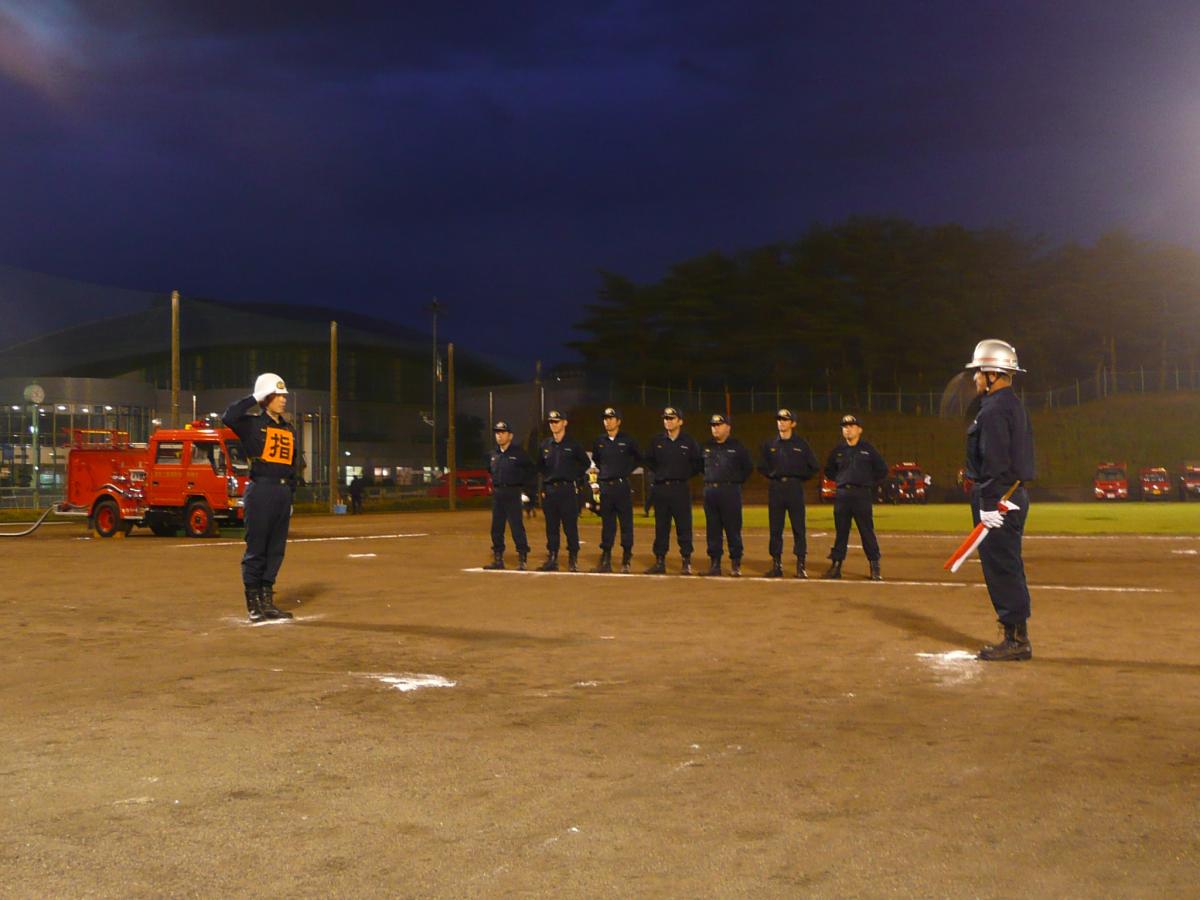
point(890, 304)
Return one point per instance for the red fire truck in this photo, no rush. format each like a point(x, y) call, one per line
point(190, 478)
point(1189, 481)
point(1111, 481)
point(906, 483)
point(1155, 483)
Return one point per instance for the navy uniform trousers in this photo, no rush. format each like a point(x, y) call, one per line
point(723, 514)
point(560, 506)
point(268, 505)
point(853, 504)
point(616, 505)
point(506, 507)
point(1003, 568)
point(672, 500)
point(785, 496)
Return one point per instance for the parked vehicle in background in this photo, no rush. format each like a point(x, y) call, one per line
point(471, 483)
point(906, 483)
point(190, 478)
point(1111, 481)
point(1189, 481)
point(965, 482)
point(828, 491)
point(1155, 483)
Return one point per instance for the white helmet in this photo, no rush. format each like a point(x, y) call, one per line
point(995, 355)
point(267, 384)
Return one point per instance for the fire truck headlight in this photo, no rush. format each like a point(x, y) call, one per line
point(232, 484)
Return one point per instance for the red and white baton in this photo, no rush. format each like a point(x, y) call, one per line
point(974, 539)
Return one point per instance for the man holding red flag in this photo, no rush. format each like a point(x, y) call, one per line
point(1000, 460)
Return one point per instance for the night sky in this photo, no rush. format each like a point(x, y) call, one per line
point(372, 155)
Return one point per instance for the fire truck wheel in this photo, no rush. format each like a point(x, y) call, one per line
point(106, 518)
point(198, 519)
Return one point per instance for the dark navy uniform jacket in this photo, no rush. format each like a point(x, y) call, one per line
point(511, 467)
point(1000, 446)
point(727, 463)
point(674, 460)
point(615, 457)
point(563, 460)
point(857, 466)
point(791, 458)
point(270, 445)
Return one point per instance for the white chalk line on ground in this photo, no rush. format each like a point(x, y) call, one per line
point(410, 681)
point(838, 582)
point(320, 540)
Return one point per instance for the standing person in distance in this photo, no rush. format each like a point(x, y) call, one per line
point(563, 466)
point(1000, 454)
point(615, 454)
point(675, 457)
point(269, 441)
point(513, 477)
point(787, 462)
point(857, 468)
point(727, 465)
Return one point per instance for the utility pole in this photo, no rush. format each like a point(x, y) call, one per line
point(174, 359)
point(333, 416)
point(434, 308)
point(451, 443)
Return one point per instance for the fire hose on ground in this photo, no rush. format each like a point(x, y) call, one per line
point(31, 529)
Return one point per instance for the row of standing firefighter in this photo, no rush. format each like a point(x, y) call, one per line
point(999, 461)
point(674, 458)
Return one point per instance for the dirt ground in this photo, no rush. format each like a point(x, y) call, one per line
point(603, 735)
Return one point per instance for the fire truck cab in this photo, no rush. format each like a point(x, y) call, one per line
point(906, 483)
point(1155, 483)
point(191, 478)
point(1189, 481)
point(1111, 481)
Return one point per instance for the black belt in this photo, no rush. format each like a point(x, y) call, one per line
point(558, 482)
point(672, 481)
point(611, 480)
point(786, 478)
point(509, 485)
point(270, 479)
point(854, 487)
point(719, 483)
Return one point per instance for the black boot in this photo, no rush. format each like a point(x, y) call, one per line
point(1013, 646)
point(801, 572)
point(267, 604)
point(776, 570)
point(875, 573)
point(254, 605)
point(714, 566)
point(522, 562)
point(551, 563)
point(626, 561)
point(659, 567)
point(735, 568)
point(573, 561)
point(605, 562)
point(834, 570)
point(687, 566)
point(497, 561)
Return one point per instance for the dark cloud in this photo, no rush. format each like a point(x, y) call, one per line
point(372, 154)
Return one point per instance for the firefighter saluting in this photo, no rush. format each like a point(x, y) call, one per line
point(270, 443)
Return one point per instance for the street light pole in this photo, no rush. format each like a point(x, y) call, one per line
point(434, 308)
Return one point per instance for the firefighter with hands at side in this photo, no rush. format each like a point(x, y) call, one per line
point(269, 441)
point(615, 454)
point(563, 466)
point(675, 457)
point(727, 465)
point(787, 462)
point(857, 468)
point(513, 478)
point(1000, 455)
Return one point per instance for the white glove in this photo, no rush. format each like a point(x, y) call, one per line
point(1007, 506)
point(524, 498)
point(991, 518)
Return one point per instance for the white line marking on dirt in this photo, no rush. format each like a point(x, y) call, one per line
point(413, 681)
point(237, 620)
point(361, 556)
point(320, 540)
point(841, 582)
point(1186, 552)
point(133, 801)
point(955, 666)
